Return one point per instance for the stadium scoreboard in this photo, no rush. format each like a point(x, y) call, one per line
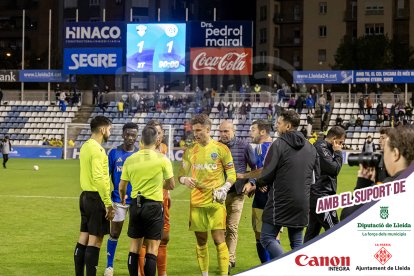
point(156, 47)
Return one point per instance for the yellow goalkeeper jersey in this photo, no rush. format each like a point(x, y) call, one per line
point(211, 165)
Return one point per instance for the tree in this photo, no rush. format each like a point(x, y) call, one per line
point(373, 52)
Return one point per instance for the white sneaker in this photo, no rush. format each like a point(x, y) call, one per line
point(109, 271)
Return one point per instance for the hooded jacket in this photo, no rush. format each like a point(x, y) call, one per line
point(330, 163)
point(291, 166)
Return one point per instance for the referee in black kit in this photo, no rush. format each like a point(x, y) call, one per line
point(148, 172)
point(95, 201)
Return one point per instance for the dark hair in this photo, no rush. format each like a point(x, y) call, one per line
point(149, 135)
point(262, 125)
point(402, 138)
point(129, 126)
point(335, 132)
point(201, 119)
point(98, 122)
point(154, 123)
point(384, 130)
point(290, 116)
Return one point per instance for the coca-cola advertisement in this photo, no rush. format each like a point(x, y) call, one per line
point(221, 61)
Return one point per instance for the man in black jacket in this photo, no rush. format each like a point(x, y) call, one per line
point(291, 167)
point(243, 155)
point(398, 155)
point(330, 160)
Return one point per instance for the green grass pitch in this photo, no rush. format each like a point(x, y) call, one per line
point(40, 223)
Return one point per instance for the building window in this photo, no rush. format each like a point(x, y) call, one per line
point(262, 55)
point(322, 31)
point(71, 4)
point(263, 36)
point(323, 7)
point(374, 29)
point(94, 2)
point(296, 36)
point(297, 13)
point(401, 4)
point(374, 8)
point(321, 55)
point(263, 13)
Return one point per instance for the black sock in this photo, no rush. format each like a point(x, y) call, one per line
point(91, 260)
point(133, 264)
point(79, 258)
point(150, 264)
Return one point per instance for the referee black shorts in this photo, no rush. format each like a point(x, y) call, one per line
point(146, 221)
point(93, 212)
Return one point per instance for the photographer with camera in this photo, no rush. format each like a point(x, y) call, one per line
point(398, 155)
point(330, 159)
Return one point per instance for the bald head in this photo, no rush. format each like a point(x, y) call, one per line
point(226, 131)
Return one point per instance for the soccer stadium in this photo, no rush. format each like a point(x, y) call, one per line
point(86, 86)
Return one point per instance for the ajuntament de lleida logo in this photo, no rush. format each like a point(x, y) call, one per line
point(384, 212)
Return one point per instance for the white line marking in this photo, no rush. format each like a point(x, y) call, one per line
point(67, 197)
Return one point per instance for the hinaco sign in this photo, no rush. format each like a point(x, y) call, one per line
point(221, 34)
point(94, 34)
point(223, 61)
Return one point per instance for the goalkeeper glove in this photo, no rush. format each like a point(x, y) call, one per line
point(220, 194)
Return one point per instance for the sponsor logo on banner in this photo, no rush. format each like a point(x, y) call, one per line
point(9, 75)
point(333, 263)
point(384, 212)
point(221, 34)
point(224, 61)
point(92, 60)
point(94, 34)
point(43, 76)
point(383, 255)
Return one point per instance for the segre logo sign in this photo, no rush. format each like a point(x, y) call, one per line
point(92, 61)
point(94, 34)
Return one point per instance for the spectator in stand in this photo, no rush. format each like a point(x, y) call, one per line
point(126, 108)
point(309, 121)
point(358, 122)
point(339, 121)
point(242, 92)
point(361, 105)
point(322, 103)
point(369, 145)
point(369, 105)
point(292, 102)
point(120, 106)
point(299, 104)
point(352, 120)
point(408, 111)
point(221, 92)
point(187, 128)
point(281, 95)
point(106, 89)
point(221, 108)
point(354, 92)
point(293, 90)
point(230, 111)
point(396, 92)
point(45, 141)
point(249, 110)
point(62, 104)
point(392, 113)
point(182, 142)
point(303, 89)
point(310, 104)
point(158, 107)
point(257, 90)
point(269, 110)
point(328, 107)
point(243, 111)
point(378, 91)
point(57, 93)
point(95, 92)
point(328, 95)
point(304, 132)
point(380, 108)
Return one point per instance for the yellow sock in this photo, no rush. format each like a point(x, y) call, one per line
point(203, 258)
point(223, 258)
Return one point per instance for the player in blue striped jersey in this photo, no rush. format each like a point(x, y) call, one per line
point(116, 159)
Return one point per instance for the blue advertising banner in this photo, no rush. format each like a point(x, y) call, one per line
point(94, 34)
point(384, 76)
point(35, 152)
point(43, 76)
point(221, 34)
point(156, 47)
point(323, 77)
point(92, 61)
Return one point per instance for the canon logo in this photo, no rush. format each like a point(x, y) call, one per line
point(230, 62)
point(80, 32)
point(304, 260)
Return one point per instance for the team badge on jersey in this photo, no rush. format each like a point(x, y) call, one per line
point(214, 156)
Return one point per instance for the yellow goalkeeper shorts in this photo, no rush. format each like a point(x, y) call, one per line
point(212, 217)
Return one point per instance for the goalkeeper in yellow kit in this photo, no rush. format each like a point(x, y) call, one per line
point(208, 170)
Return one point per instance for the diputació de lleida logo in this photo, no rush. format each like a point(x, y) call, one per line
point(384, 212)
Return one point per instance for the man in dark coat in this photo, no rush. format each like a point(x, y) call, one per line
point(288, 201)
point(330, 160)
